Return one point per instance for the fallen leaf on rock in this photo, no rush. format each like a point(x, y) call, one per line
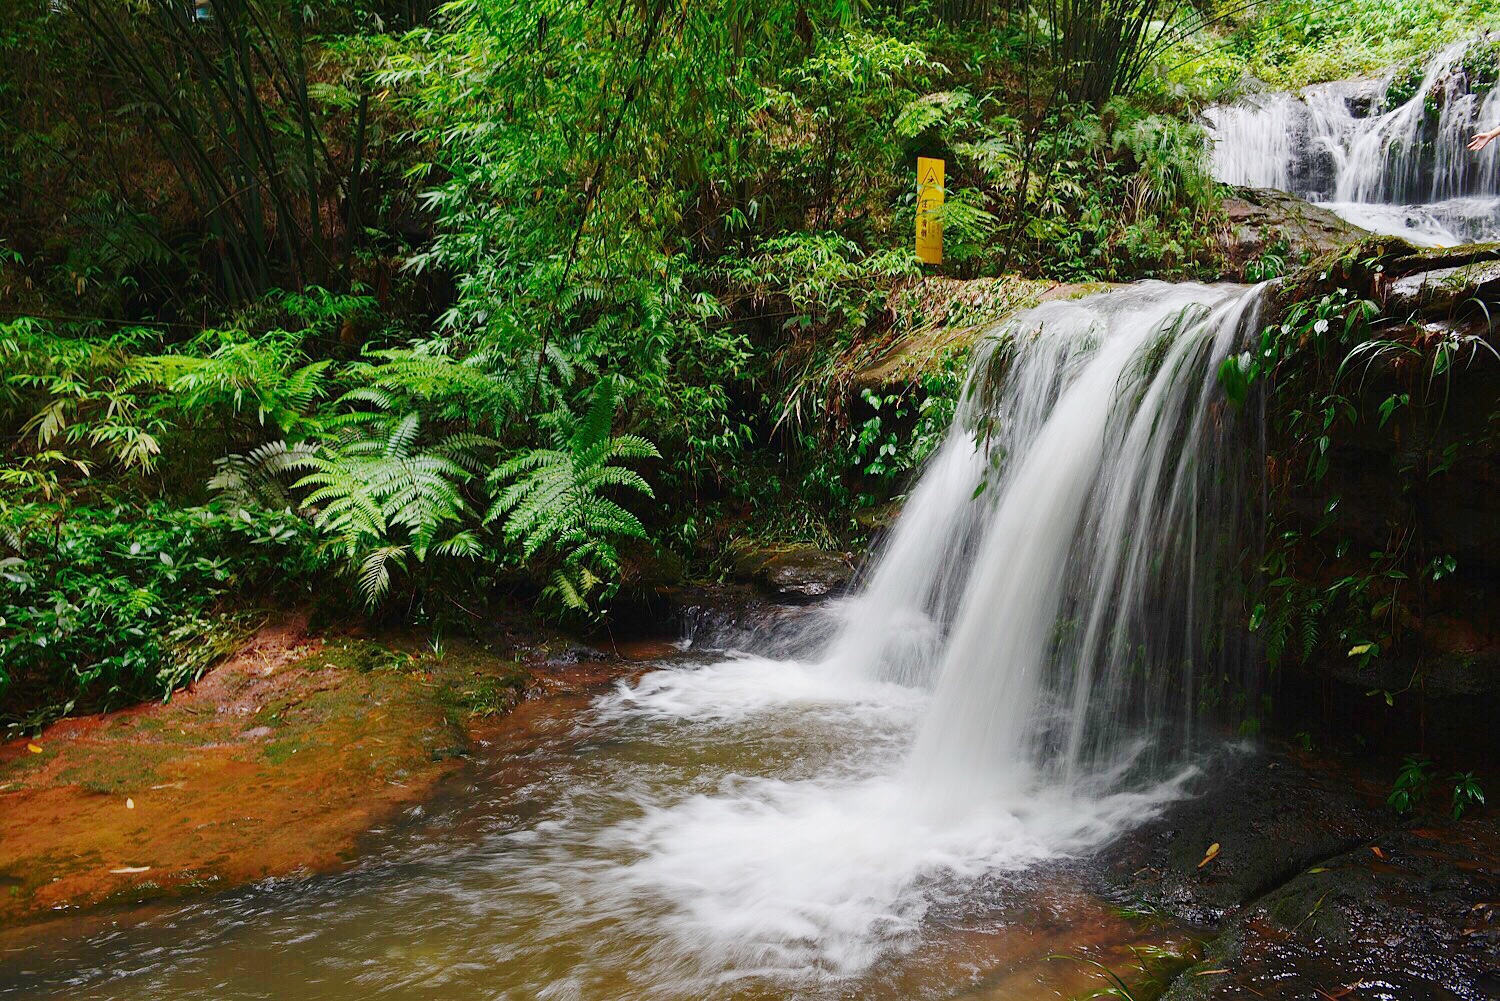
point(129, 803)
point(129, 869)
point(1208, 973)
point(34, 748)
point(1210, 855)
point(1378, 853)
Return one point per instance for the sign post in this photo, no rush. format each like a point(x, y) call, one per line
point(929, 200)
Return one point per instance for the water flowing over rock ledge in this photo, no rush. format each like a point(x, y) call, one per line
point(1385, 154)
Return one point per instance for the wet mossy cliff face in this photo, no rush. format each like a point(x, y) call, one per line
point(1379, 586)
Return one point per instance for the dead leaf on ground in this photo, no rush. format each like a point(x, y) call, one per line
point(1210, 855)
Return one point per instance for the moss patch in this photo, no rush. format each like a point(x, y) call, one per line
point(274, 762)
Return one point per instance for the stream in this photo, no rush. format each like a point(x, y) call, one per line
point(722, 830)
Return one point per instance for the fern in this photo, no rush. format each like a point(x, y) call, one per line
point(381, 497)
point(259, 478)
point(553, 501)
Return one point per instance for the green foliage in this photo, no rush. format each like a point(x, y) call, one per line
point(1295, 359)
point(1467, 793)
point(1291, 43)
point(1272, 262)
point(554, 501)
point(1346, 408)
point(106, 604)
point(1412, 784)
point(382, 497)
point(698, 215)
point(887, 452)
point(110, 399)
point(229, 103)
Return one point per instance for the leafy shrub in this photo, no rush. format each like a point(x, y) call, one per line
point(1467, 793)
point(554, 501)
point(103, 605)
point(1411, 786)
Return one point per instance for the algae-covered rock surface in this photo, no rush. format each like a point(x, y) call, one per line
point(794, 572)
point(1262, 221)
point(275, 762)
point(957, 314)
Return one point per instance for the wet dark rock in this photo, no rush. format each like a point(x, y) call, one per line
point(740, 617)
point(1260, 218)
point(1317, 886)
point(794, 572)
point(1272, 817)
point(569, 652)
point(1428, 474)
point(881, 517)
point(1414, 916)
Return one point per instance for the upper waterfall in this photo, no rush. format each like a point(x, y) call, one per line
point(1383, 156)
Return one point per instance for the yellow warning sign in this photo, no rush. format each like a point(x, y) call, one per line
point(929, 200)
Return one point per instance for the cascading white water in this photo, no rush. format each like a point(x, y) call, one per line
point(1019, 676)
point(1017, 680)
point(1041, 608)
point(1390, 166)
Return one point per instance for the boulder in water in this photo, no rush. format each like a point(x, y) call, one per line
point(794, 572)
point(1260, 219)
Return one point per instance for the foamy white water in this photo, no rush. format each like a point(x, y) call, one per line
point(1390, 166)
point(1015, 683)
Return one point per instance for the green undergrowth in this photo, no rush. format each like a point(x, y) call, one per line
point(429, 313)
point(1287, 44)
point(1379, 419)
point(104, 605)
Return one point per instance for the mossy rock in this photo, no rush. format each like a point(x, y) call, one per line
point(795, 572)
point(1378, 265)
point(1263, 220)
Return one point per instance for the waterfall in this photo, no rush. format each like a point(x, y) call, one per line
point(1054, 577)
point(1026, 670)
point(1023, 675)
point(1385, 160)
